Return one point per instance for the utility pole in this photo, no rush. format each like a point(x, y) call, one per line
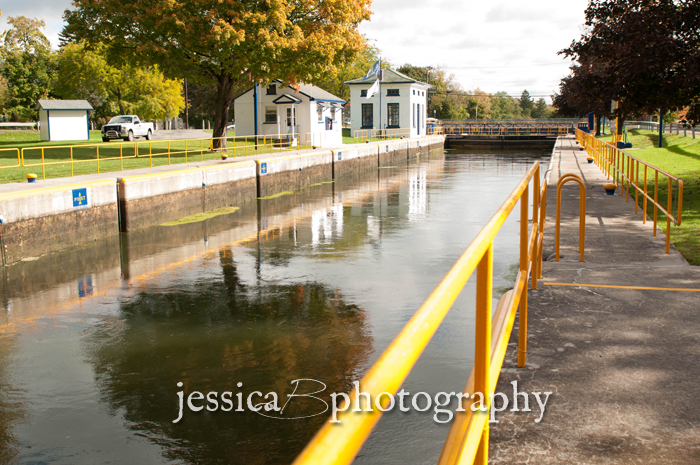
point(187, 109)
point(429, 68)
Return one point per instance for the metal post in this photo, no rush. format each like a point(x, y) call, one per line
point(661, 127)
point(187, 108)
point(482, 353)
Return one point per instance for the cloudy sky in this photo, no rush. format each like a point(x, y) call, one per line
point(497, 45)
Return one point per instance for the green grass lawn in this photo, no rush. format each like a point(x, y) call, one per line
point(679, 156)
point(113, 156)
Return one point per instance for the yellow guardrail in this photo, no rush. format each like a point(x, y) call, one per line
point(185, 150)
point(626, 171)
point(434, 130)
point(377, 134)
point(15, 150)
point(505, 131)
point(468, 436)
point(581, 215)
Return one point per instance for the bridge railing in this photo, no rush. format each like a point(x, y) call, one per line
point(629, 172)
point(467, 440)
point(72, 160)
point(506, 131)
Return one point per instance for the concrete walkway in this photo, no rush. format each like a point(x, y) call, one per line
point(623, 364)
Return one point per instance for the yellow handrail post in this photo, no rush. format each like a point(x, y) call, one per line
point(121, 157)
point(582, 213)
point(97, 151)
point(656, 199)
point(43, 166)
point(535, 221)
point(168, 152)
point(668, 215)
point(150, 153)
point(524, 264)
point(482, 353)
point(644, 218)
point(71, 161)
point(636, 183)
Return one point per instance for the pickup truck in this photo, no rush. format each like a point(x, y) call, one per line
point(126, 127)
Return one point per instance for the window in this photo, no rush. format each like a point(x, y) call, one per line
point(363, 93)
point(423, 94)
point(413, 114)
point(271, 115)
point(392, 110)
point(319, 109)
point(414, 91)
point(392, 92)
point(272, 89)
point(367, 115)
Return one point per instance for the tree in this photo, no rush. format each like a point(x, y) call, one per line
point(526, 103)
point(503, 106)
point(540, 110)
point(27, 66)
point(226, 41)
point(87, 74)
point(447, 98)
point(357, 68)
point(647, 53)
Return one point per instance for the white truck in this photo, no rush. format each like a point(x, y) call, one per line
point(126, 127)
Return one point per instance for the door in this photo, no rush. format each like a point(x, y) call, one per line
point(291, 120)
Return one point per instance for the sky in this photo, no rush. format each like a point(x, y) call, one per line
point(497, 45)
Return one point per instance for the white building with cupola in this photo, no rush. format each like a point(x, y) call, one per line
point(305, 116)
point(399, 103)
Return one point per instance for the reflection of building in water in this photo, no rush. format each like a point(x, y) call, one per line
point(326, 221)
point(417, 193)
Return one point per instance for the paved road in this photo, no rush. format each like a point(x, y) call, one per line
point(181, 134)
point(623, 364)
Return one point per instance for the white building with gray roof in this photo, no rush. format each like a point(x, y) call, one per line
point(309, 115)
point(399, 104)
point(64, 120)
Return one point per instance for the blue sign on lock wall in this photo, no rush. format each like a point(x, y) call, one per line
point(80, 197)
point(340, 156)
point(263, 168)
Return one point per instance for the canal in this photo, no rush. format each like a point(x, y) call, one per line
point(311, 285)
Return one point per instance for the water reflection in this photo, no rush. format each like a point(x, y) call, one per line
point(310, 285)
point(213, 335)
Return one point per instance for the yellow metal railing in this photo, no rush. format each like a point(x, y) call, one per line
point(467, 440)
point(581, 215)
point(16, 151)
point(505, 131)
point(434, 130)
point(185, 150)
point(630, 172)
point(377, 134)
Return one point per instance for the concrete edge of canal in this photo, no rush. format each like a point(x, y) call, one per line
point(58, 214)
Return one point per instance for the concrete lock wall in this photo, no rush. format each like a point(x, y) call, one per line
point(354, 161)
point(44, 220)
point(41, 220)
point(293, 172)
point(393, 153)
point(157, 198)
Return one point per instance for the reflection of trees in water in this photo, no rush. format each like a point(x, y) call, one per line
point(12, 403)
point(212, 335)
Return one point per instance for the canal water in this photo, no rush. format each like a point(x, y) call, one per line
point(312, 285)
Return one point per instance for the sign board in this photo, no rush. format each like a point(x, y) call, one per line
point(340, 156)
point(263, 168)
point(80, 198)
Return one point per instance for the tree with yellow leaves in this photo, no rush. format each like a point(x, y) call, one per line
point(224, 41)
